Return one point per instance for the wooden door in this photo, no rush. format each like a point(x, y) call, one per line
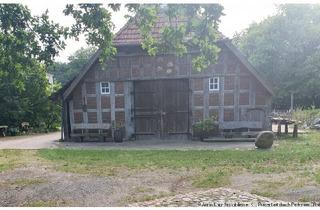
point(161, 107)
point(175, 107)
point(147, 107)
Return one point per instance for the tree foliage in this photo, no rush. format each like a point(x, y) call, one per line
point(65, 71)
point(94, 21)
point(199, 29)
point(285, 49)
point(27, 44)
point(28, 37)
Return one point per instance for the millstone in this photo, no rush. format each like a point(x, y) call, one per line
point(264, 139)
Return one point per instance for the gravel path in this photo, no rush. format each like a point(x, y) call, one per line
point(213, 198)
point(51, 140)
point(38, 141)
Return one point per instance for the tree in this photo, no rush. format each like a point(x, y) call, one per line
point(94, 21)
point(64, 72)
point(284, 49)
point(27, 44)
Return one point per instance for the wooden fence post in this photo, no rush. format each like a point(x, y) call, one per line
point(286, 128)
point(279, 129)
point(295, 131)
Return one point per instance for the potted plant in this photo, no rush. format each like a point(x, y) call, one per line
point(206, 128)
point(118, 132)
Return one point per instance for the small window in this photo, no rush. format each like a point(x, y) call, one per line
point(105, 87)
point(214, 83)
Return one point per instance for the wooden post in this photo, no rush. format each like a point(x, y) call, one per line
point(61, 132)
point(65, 120)
point(279, 129)
point(291, 101)
point(62, 122)
point(295, 131)
point(286, 128)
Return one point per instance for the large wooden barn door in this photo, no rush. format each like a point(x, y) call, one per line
point(175, 107)
point(161, 107)
point(147, 107)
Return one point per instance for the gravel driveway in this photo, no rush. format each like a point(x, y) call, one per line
point(37, 141)
point(51, 140)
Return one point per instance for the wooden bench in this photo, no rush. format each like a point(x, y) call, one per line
point(240, 132)
point(25, 126)
point(3, 130)
point(105, 134)
point(286, 121)
point(240, 129)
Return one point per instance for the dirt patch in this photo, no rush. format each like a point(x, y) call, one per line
point(290, 186)
point(26, 187)
point(40, 185)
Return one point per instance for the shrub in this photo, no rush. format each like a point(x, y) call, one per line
point(205, 128)
point(306, 116)
point(13, 131)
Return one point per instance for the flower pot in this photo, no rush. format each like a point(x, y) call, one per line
point(199, 133)
point(118, 135)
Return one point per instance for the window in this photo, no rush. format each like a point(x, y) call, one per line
point(214, 83)
point(105, 87)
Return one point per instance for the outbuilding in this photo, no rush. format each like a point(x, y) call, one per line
point(162, 96)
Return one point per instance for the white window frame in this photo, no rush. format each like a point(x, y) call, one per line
point(104, 89)
point(214, 83)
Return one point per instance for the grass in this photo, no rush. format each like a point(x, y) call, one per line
point(268, 189)
point(27, 182)
point(317, 177)
point(210, 168)
point(300, 180)
point(45, 203)
point(143, 189)
point(289, 155)
point(11, 159)
point(218, 178)
point(145, 197)
point(265, 193)
point(306, 116)
point(271, 185)
point(306, 199)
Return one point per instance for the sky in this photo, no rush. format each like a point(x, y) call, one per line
point(238, 16)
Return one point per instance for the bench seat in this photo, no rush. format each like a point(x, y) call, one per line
point(104, 134)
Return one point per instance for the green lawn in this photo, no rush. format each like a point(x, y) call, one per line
point(10, 159)
point(290, 154)
point(214, 168)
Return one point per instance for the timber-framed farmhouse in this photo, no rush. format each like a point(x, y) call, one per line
point(162, 96)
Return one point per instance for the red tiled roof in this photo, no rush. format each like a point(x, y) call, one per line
point(130, 34)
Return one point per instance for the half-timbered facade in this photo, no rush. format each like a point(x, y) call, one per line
point(162, 96)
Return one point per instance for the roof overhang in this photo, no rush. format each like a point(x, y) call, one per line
point(94, 58)
point(247, 64)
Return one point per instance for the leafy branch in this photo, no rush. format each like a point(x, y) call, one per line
point(190, 27)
